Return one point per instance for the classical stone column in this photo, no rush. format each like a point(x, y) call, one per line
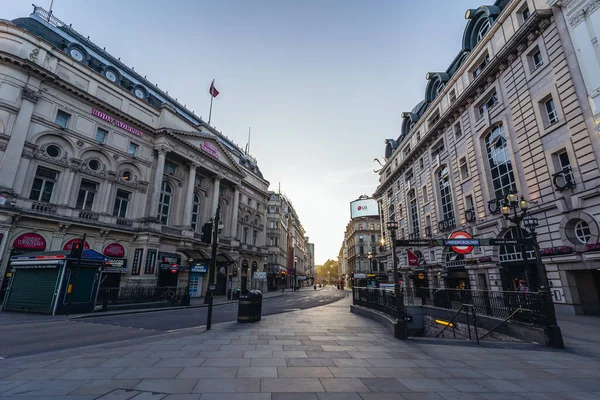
point(189, 200)
point(18, 134)
point(158, 178)
point(215, 201)
point(68, 187)
point(234, 214)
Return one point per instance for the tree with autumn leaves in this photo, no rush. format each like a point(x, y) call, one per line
point(327, 272)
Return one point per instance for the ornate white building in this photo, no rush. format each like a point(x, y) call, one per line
point(88, 145)
point(511, 112)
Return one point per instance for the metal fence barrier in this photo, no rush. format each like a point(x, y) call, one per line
point(114, 296)
point(520, 307)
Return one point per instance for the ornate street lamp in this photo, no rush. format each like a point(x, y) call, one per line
point(392, 226)
point(370, 257)
point(552, 330)
point(519, 211)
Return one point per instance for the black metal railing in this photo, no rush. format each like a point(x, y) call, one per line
point(515, 306)
point(485, 302)
point(114, 296)
point(382, 300)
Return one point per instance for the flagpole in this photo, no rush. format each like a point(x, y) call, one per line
point(210, 112)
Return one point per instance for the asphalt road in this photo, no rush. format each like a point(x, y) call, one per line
point(23, 334)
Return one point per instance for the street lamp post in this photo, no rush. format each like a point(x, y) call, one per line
point(295, 267)
point(552, 330)
point(519, 209)
point(401, 333)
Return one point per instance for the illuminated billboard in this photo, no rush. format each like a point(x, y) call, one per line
point(364, 208)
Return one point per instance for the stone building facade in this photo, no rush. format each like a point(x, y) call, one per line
point(288, 249)
point(510, 113)
point(89, 146)
point(360, 253)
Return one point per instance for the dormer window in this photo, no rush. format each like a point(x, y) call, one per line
point(485, 27)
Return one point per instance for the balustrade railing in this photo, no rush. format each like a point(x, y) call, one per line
point(43, 207)
point(88, 215)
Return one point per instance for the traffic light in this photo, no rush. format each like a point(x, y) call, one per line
point(207, 233)
point(77, 250)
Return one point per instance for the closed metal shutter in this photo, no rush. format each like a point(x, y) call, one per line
point(32, 290)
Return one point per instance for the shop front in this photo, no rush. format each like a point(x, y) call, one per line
point(115, 267)
point(197, 274)
point(42, 282)
point(168, 269)
point(23, 244)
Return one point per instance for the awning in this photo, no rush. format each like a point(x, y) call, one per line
point(195, 254)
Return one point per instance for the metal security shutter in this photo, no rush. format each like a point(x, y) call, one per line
point(32, 290)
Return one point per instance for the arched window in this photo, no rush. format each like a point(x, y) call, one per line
point(445, 194)
point(499, 161)
point(483, 29)
point(195, 212)
point(164, 206)
point(515, 253)
point(414, 213)
point(391, 213)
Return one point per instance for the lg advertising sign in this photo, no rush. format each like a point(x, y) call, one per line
point(364, 208)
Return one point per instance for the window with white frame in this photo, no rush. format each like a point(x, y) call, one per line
point(551, 114)
point(164, 205)
point(195, 212)
point(132, 149)
point(464, 168)
point(121, 203)
point(424, 194)
point(437, 148)
point(87, 192)
point(62, 118)
point(457, 130)
point(414, 213)
point(445, 194)
point(488, 104)
point(101, 135)
point(536, 58)
point(565, 167)
point(452, 96)
point(254, 237)
point(499, 162)
point(515, 253)
point(479, 69)
point(582, 232)
point(43, 185)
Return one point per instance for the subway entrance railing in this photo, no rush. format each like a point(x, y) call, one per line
point(524, 308)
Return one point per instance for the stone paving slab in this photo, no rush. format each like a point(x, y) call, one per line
point(323, 353)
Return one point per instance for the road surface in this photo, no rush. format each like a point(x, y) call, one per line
point(23, 334)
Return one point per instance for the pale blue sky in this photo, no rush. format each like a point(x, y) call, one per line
point(322, 83)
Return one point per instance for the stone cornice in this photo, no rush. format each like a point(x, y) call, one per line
point(535, 24)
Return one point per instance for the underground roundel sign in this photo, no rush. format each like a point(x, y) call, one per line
point(461, 249)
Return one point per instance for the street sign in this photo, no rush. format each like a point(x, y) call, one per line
point(260, 275)
point(460, 243)
point(510, 242)
point(418, 243)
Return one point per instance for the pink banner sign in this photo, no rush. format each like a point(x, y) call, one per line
point(30, 241)
point(210, 149)
point(116, 122)
point(114, 250)
point(69, 244)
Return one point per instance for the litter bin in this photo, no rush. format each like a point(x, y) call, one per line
point(235, 294)
point(250, 306)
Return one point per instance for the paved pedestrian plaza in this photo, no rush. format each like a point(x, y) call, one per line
point(324, 353)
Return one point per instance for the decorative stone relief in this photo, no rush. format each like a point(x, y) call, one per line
point(41, 153)
point(115, 157)
point(30, 95)
point(33, 56)
point(99, 172)
point(80, 144)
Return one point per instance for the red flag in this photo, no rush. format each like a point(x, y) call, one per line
point(413, 260)
point(213, 90)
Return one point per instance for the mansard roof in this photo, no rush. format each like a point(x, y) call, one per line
point(479, 22)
